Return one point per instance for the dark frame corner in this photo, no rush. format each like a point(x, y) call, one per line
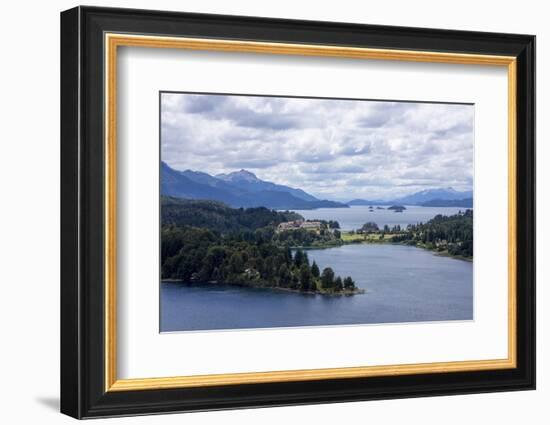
point(82, 241)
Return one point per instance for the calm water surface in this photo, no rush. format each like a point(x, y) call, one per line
point(354, 217)
point(403, 284)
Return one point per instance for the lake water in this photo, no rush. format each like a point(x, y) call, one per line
point(354, 217)
point(403, 284)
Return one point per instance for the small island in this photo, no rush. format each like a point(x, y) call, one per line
point(397, 208)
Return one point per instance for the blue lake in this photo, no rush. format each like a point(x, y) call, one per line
point(403, 284)
point(354, 217)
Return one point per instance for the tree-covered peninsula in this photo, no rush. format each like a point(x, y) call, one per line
point(452, 235)
point(208, 242)
point(446, 235)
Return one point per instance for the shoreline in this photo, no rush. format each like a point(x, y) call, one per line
point(343, 293)
point(386, 242)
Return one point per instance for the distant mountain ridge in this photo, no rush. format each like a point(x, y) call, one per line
point(244, 189)
point(441, 197)
point(248, 181)
point(363, 202)
point(446, 194)
point(465, 203)
point(238, 189)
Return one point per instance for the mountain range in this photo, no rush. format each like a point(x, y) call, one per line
point(464, 203)
point(237, 189)
point(440, 197)
point(244, 189)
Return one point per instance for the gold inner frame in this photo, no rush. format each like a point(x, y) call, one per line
point(113, 41)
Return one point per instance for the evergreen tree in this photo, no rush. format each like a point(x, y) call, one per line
point(269, 267)
point(333, 224)
point(338, 286)
point(298, 258)
point(284, 276)
point(370, 227)
point(295, 281)
point(327, 278)
point(288, 255)
point(315, 270)
point(349, 283)
point(305, 277)
point(236, 263)
point(216, 275)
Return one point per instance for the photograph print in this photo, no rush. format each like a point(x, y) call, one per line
point(289, 211)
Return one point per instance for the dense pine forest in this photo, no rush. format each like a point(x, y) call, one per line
point(219, 217)
point(452, 234)
point(206, 241)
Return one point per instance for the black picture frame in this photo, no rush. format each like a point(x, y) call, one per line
point(83, 392)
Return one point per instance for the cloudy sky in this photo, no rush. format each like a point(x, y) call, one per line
point(333, 149)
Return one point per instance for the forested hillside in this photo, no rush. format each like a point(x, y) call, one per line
point(219, 217)
point(205, 241)
point(454, 234)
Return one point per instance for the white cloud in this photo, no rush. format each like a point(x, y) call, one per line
point(335, 149)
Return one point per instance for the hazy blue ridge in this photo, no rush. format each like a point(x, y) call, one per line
point(466, 203)
point(240, 189)
point(446, 197)
point(247, 181)
point(431, 194)
point(365, 202)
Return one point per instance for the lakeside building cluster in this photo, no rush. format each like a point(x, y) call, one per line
point(299, 224)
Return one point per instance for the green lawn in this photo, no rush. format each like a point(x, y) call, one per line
point(370, 237)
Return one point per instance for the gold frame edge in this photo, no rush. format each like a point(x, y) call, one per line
point(113, 41)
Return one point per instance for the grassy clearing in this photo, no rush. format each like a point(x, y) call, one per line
point(370, 237)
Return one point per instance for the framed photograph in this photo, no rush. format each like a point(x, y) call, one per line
point(261, 212)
